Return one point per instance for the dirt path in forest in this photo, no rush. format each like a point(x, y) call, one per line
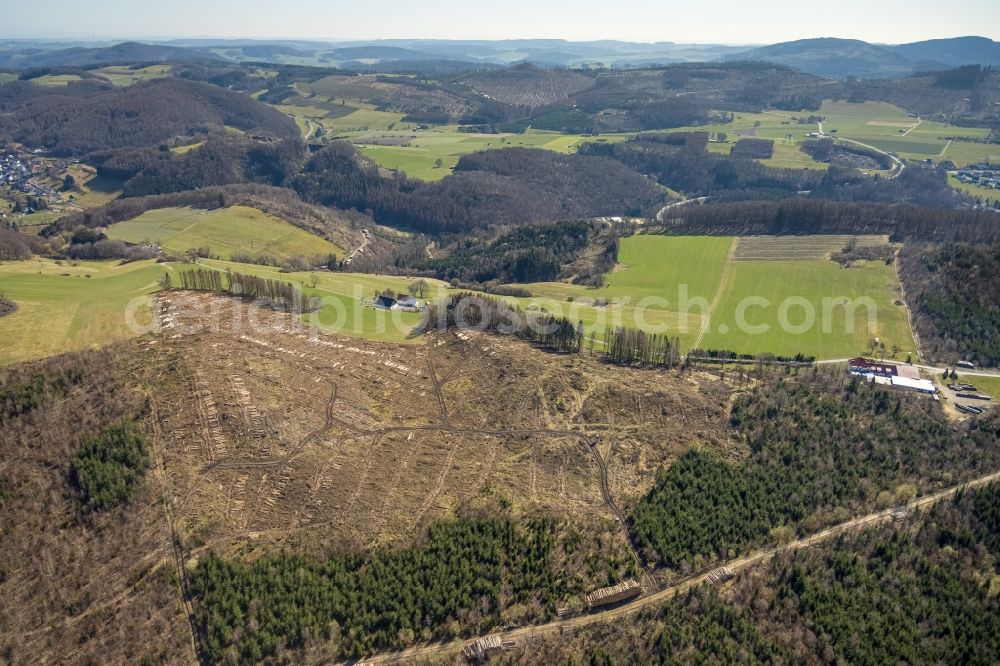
point(658, 597)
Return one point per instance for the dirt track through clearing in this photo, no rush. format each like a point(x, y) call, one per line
point(662, 595)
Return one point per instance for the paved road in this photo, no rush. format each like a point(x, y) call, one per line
point(898, 165)
point(678, 204)
point(441, 650)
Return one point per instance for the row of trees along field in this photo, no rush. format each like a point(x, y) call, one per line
point(632, 346)
point(276, 292)
point(813, 216)
point(457, 582)
point(820, 450)
point(955, 292)
point(917, 591)
point(622, 346)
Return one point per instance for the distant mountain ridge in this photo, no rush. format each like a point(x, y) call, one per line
point(842, 58)
point(124, 53)
point(825, 56)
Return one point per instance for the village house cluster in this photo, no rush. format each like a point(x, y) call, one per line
point(15, 172)
point(983, 175)
point(25, 176)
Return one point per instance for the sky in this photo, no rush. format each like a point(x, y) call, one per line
point(721, 21)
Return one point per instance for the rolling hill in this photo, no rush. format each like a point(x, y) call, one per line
point(826, 56)
point(124, 53)
point(227, 232)
point(842, 58)
point(78, 119)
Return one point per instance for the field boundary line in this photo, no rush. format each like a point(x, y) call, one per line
point(724, 280)
point(919, 122)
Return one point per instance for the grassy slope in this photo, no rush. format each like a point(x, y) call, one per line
point(788, 156)
point(342, 294)
point(650, 267)
point(125, 76)
point(236, 229)
point(60, 309)
point(55, 79)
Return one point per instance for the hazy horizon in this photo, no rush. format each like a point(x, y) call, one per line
point(646, 21)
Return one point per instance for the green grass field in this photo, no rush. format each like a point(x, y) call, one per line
point(963, 153)
point(7, 76)
point(186, 148)
point(227, 231)
point(876, 123)
point(787, 155)
point(648, 288)
point(654, 266)
point(973, 189)
point(67, 308)
point(419, 159)
point(126, 76)
point(761, 296)
point(355, 123)
point(916, 149)
point(988, 385)
point(890, 128)
point(55, 79)
point(343, 296)
point(717, 281)
point(61, 308)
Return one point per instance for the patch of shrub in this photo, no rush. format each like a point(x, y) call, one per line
point(109, 467)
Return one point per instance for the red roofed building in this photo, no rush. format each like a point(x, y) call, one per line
point(865, 366)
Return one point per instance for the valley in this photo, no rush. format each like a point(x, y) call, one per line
point(511, 351)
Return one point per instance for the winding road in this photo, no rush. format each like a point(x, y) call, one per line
point(898, 166)
point(678, 204)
